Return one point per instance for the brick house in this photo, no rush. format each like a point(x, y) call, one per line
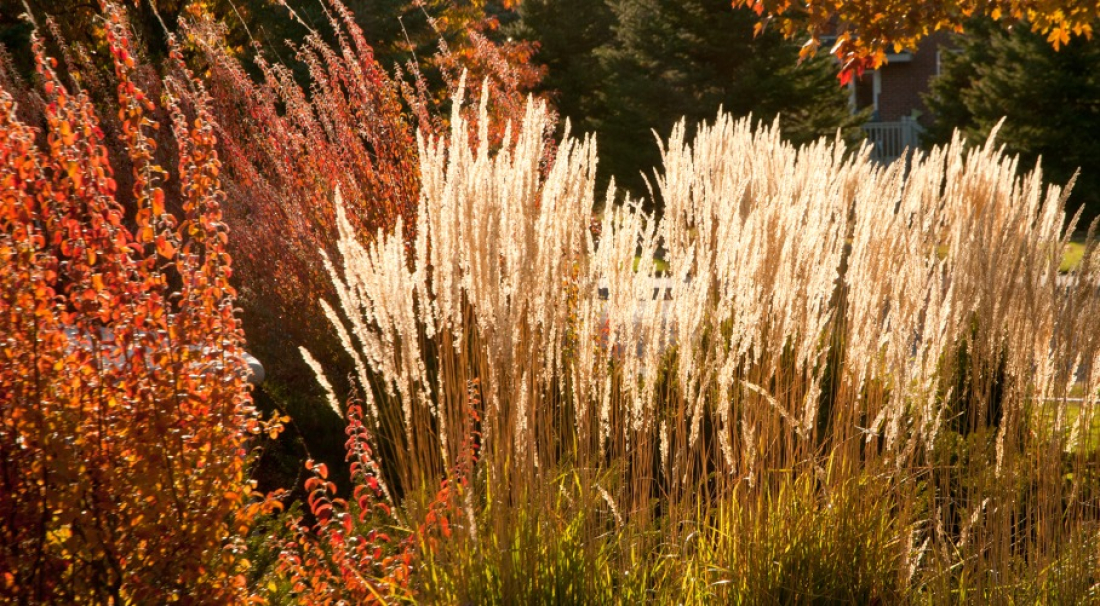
point(893, 92)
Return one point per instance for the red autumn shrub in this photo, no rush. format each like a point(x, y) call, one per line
point(363, 550)
point(124, 411)
point(124, 408)
point(287, 147)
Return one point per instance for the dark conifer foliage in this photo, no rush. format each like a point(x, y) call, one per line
point(1050, 100)
point(623, 67)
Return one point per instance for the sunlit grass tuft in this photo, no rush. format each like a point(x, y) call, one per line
point(856, 390)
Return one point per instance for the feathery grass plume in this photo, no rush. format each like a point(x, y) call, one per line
point(830, 336)
point(319, 372)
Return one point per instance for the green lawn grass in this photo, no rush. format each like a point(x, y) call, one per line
point(1072, 255)
point(1089, 438)
point(660, 266)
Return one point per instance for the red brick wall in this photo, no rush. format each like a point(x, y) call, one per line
point(904, 83)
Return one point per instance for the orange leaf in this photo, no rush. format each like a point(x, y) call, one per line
point(165, 248)
point(67, 136)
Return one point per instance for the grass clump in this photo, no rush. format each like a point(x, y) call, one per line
point(867, 384)
point(800, 544)
point(539, 553)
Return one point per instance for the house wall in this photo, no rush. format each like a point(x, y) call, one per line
point(864, 91)
point(902, 84)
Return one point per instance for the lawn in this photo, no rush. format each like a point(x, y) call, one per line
point(660, 266)
point(1072, 255)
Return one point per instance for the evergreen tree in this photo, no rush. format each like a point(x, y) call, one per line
point(1050, 101)
point(641, 65)
point(568, 33)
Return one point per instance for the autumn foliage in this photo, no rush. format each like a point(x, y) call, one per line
point(861, 383)
point(360, 550)
point(867, 31)
point(125, 414)
point(289, 141)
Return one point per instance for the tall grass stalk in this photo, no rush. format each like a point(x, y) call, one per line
point(857, 390)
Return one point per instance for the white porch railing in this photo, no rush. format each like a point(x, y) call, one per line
point(890, 140)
